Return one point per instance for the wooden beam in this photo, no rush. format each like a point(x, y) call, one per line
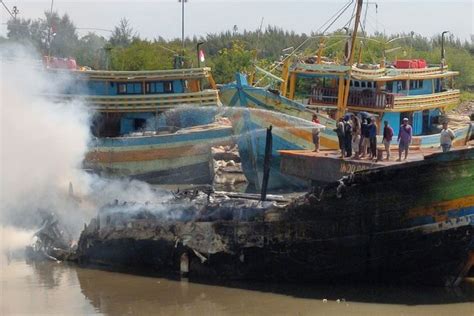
point(292, 86)
point(284, 75)
point(350, 60)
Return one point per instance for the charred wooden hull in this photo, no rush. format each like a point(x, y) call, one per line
point(411, 222)
point(435, 258)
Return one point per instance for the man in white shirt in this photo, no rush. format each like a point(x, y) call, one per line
point(446, 137)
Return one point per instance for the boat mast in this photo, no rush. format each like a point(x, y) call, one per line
point(342, 105)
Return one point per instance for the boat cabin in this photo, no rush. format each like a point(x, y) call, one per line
point(125, 102)
point(407, 88)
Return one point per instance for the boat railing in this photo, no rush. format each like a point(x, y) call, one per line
point(364, 98)
point(146, 102)
point(434, 100)
point(169, 74)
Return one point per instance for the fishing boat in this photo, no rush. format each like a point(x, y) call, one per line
point(149, 125)
point(410, 222)
point(386, 91)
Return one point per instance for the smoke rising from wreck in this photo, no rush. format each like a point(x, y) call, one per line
point(43, 143)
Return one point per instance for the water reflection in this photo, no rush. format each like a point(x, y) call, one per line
point(63, 289)
point(114, 292)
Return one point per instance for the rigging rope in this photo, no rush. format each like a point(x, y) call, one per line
point(337, 14)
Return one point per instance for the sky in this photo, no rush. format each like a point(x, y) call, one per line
point(163, 17)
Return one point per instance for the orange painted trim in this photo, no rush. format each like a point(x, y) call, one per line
point(439, 209)
point(145, 155)
point(297, 132)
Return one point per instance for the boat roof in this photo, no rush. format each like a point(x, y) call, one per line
point(172, 74)
point(377, 74)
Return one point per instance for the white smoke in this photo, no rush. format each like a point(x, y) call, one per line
point(42, 142)
point(42, 145)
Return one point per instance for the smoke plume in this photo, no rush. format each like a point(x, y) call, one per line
point(42, 144)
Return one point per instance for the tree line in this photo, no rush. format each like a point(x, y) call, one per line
point(229, 51)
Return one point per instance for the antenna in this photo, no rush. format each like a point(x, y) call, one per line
point(49, 29)
point(15, 10)
point(258, 38)
point(182, 21)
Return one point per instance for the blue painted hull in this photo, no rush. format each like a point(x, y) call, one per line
point(175, 158)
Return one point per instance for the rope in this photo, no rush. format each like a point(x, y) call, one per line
point(337, 14)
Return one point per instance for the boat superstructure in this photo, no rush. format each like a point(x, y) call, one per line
point(158, 126)
point(389, 91)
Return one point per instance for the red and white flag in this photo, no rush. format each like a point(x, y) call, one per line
point(201, 56)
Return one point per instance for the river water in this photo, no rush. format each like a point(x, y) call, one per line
point(58, 288)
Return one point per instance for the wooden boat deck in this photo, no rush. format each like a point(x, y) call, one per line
point(327, 166)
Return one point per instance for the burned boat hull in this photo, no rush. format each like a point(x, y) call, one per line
point(411, 222)
point(435, 258)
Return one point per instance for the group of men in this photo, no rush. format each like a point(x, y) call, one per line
point(358, 139)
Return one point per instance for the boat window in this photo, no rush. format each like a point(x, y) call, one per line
point(356, 84)
point(362, 84)
point(369, 84)
point(153, 87)
point(402, 85)
point(416, 84)
point(139, 124)
point(351, 83)
point(122, 88)
point(168, 86)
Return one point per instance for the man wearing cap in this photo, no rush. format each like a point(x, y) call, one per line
point(404, 139)
point(446, 137)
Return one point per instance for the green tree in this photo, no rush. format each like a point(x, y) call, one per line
point(231, 60)
point(91, 51)
point(62, 34)
point(52, 33)
point(141, 55)
point(123, 34)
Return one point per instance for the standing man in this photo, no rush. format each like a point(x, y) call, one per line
point(340, 135)
point(315, 133)
point(404, 139)
point(446, 137)
point(387, 137)
point(347, 137)
point(373, 138)
point(364, 140)
point(355, 135)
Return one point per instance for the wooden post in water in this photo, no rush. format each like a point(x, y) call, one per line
point(266, 163)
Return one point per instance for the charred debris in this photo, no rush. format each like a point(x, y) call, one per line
point(184, 208)
point(378, 224)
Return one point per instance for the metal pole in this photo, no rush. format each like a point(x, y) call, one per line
point(182, 23)
point(442, 47)
point(8, 10)
point(197, 54)
point(49, 29)
point(266, 163)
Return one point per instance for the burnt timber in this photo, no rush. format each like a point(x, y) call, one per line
point(407, 222)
